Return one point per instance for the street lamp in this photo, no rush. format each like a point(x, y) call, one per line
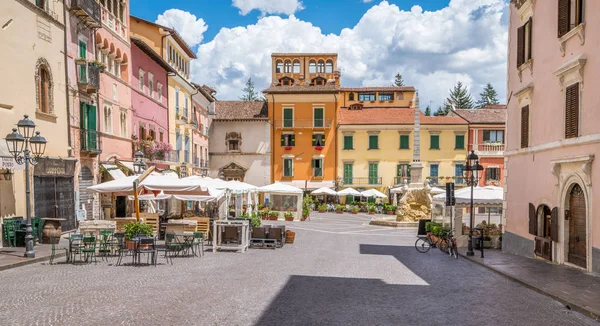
point(138, 165)
point(183, 170)
point(471, 172)
point(18, 143)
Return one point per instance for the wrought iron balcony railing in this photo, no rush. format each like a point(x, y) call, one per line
point(88, 11)
point(362, 181)
point(90, 141)
point(303, 124)
point(88, 77)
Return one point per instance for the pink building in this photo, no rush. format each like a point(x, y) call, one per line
point(149, 102)
point(553, 132)
point(203, 107)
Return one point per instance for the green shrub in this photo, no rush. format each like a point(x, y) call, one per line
point(273, 214)
point(306, 205)
point(137, 228)
point(371, 208)
point(340, 207)
point(288, 214)
point(322, 207)
point(354, 209)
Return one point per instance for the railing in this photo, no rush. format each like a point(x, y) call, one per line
point(90, 141)
point(172, 156)
point(303, 123)
point(88, 11)
point(88, 77)
point(434, 181)
point(460, 180)
point(205, 164)
point(362, 181)
point(488, 149)
point(401, 180)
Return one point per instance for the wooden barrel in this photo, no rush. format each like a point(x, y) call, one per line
point(290, 236)
point(51, 229)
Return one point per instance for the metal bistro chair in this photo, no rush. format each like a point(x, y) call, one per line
point(198, 244)
point(10, 232)
point(172, 246)
point(89, 248)
point(106, 248)
point(55, 248)
point(145, 246)
point(75, 245)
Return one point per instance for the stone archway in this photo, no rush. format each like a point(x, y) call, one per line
point(576, 223)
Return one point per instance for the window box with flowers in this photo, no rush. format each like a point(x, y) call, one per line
point(80, 61)
point(288, 148)
point(319, 148)
point(98, 65)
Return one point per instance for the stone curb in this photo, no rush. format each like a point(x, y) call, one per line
point(30, 261)
point(570, 305)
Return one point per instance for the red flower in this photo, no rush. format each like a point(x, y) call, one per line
point(319, 148)
point(287, 148)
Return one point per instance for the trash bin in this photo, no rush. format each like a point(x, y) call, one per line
point(421, 230)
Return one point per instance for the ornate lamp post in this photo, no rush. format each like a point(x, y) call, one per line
point(472, 176)
point(139, 166)
point(19, 142)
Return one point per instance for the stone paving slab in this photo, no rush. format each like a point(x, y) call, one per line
point(11, 257)
point(574, 288)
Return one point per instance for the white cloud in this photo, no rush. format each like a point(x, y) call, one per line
point(287, 7)
point(367, 1)
point(465, 41)
point(187, 25)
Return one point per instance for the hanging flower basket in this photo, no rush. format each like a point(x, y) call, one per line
point(319, 148)
point(288, 148)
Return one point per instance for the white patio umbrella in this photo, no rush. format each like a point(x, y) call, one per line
point(373, 193)
point(324, 191)
point(482, 196)
point(436, 191)
point(349, 192)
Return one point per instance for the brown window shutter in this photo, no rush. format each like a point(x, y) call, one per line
point(572, 111)
point(554, 225)
point(532, 220)
point(520, 46)
point(525, 126)
point(530, 32)
point(563, 17)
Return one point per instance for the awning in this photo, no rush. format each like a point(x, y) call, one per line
point(482, 196)
point(114, 171)
point(128, 165)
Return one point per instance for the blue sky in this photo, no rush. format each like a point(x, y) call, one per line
point(330, 15)
point(432, 43)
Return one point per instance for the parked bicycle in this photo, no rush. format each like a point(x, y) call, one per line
point(452, 248)
point(425, 243)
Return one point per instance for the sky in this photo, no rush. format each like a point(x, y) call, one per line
point(432, 43)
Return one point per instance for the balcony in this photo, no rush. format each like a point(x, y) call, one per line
point(303, 124)
point(398, 181)
point(90, 142)
point(181, 120)
point(88, 77)
point(487, 150)
point(88, 11)
point(362, 181)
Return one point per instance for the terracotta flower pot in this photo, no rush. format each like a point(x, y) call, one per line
point(354, 212)
point(321, 211)
point(289, 219)
point(339, 212)
point(371, 213)
point(390, 212)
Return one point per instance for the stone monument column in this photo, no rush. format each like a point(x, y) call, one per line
point(416, 167)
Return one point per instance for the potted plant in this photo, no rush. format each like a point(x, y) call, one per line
point(322, 208)
point(133, 230)
point(390, 209)
point(80, 61)
point(262, 215)
point(340, 208)
point(307, 204)
point(354, 209)
point(289, 216)
point(98, 65)
point(371, 209)
point(273, 215)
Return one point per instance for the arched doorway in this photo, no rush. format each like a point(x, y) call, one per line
point(577, 219)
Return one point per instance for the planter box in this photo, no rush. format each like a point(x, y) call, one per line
point(371, 213)
point(339, 212)
point(355, 212)
point(321, 211)
point(289, 219)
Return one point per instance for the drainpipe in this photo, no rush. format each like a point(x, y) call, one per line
point(335, 139)
point(70, 151)
point(273, 143)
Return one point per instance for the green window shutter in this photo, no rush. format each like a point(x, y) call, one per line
point(314, 140)
point(460, 141)
point(347, 142)
point(313, 163)
point(82, 49)
point(288, 117)
point(82, 115)
point(91, 124)
point(404, 142)
point(348, 173)
point(318, 117)
point(373, 142)
point(373, 175)
point(435, 141)
point(282, 140)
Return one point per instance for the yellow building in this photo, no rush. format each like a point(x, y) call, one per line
point(302, 104)
point(377, 146)
point(167, 42)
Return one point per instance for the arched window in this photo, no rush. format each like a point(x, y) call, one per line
point(108, 120)
point(44, 87)
point(296, 66)
point(286, 81)
point(321, 66)
point(288, 66)
point(312, 67)
point(123, 124)
point(279, 68)
point(329, 67)
point(351, 96)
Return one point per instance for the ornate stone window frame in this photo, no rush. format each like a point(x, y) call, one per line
point(43, 63)
point(579, 31)
point(570, 73)
point(234, 135)
point(524, 98)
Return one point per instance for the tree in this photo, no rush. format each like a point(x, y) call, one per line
point(248, 92)
point(487, 97)
point(440, 111)
point(398, 81)
point(460, 98)
point(428, 111)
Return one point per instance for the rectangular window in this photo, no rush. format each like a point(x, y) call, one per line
point(404, 141)
point(403, 171)
point(458, 174)
point(317, 165)
point(141, 80)
point(185, 108)
point(288, 117)
point(386, 97)
point(318, 117)
point(161, 136)
point(151, 85)
point(459, 142)
point(570, 15)
point(288, 167)
point(115, 92)
point(159, 91)
point(524, 35)
point(348, 167)
point(177, 101)
point(373, 174)
point(525, 126)
point(234, 145)
point(493, 136)
point(572, 111)
point(178, 141)
point(373, 142)
point(492, 174)
point(366, 96)
point(433, 173)
point(318, 140)
point(434, 142)
point(348, 142)
point(288, 140)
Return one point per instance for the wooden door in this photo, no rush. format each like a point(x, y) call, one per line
point(577, 228)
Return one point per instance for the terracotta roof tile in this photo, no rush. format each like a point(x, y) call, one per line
point(241, 110)
point(495, 114)
point(392, 116)
point(378, 89)
point(302, 89)
point(442, 120)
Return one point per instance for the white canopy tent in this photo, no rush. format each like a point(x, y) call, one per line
point(373, 193)
point(349, 192)
point(153, 183)
point(324, 191)
point(489, 196)
point(281, 189)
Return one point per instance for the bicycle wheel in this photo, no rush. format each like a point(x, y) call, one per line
point(422, 245)
point(443, 246)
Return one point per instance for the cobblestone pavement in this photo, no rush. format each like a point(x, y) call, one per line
point(339, 272)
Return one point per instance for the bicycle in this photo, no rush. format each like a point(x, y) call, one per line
point(424, 244)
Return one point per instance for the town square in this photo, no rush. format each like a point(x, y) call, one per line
point(299, 162)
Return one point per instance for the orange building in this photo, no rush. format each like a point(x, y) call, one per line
point(303, 100)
